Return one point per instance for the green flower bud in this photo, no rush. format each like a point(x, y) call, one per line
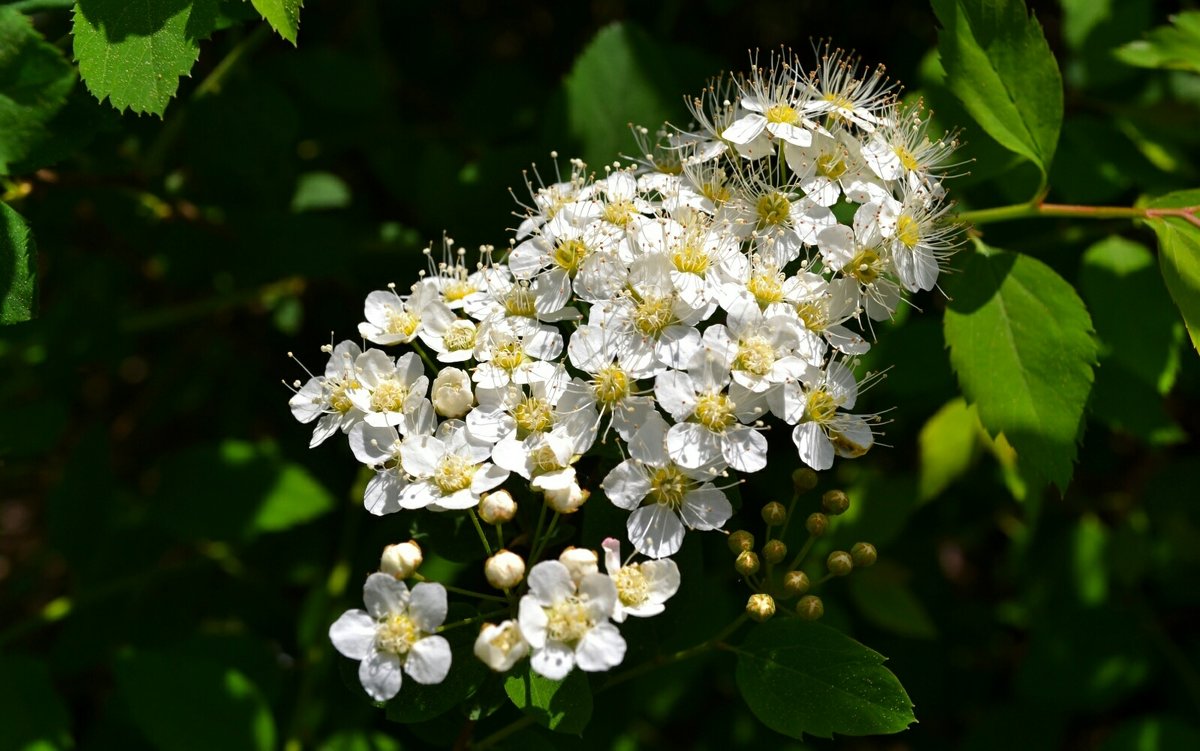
point(835, 502)
point(795, 583)
point(760, 607)
point(810, 607)
point(864, 554)
point(816, 524)
point(746, 563)
point(774, 551)
point(741, 541)
point(839, 563)
point(774, 514)
point(804, 480)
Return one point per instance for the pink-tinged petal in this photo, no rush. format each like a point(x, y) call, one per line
point(428, 661)
point(353, 634)
point(380, 675)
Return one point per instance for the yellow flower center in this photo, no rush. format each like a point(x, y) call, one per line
point(459, 335)
point(668, 486)
point(782, 113)
point(814, 315)
point(396, 634)
point(653, 314)
point(454, 473)
point(567, 621)
point(821, 406)
point(773, 209)
point(533, 415)
point(389, 396)
point(766, 286)
point(715, 412)
point(611, 385)
point(632, 587)
point(619, 213)
point(716, 191)
point(690, 259)
point(866, 266)
point(544, 460)
point(839, 100)
point(755, 355)
point(519, 301)
point(402, 322)
point(338, 399)
point(908, 231)
point(457, 289)
point(831, 166)
point(508, 356)
point(569, 255)
point(907, 160)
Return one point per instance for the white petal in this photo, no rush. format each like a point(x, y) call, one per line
point(705, 508)
point(553, 661)
point(427, 605)
point(655, 531)
point(675, 393)
point(599, 593)
point(745, 129)
point(380, 676)
point(353, 634)
point(382, 495)
point(663, 579)
point(745, 449)
point(813, 445)
point(600, 648)
point(550, 581)
point(692, 445)
point(429, 660)
point(626, 485)
point(532, 617)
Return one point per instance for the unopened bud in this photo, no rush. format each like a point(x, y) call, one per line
point(835, 502)
point(746, 563)
point(795, 583)
point(498, 507)
point(774, 551)
point(804, 480)
point(566, 500)
point(740, 541)
point(810, 607)
point(863, 554)
point(839, 563)
point(504, 570)
point(816, 524)
point(774, 513)
point(760, 607)
point(401, 560)
point(579, 562)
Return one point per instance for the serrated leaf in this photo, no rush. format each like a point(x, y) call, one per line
point(800, 677)
point(1179, 258)
point(1021, 343)
point(948, 443)
point(18, 268)
point(182, 703)
point(133, 54)
point(283, 15)
point(564, 706)
point(1174, 47)
point(35, 79)
point(1000, 67)
point(35, 718)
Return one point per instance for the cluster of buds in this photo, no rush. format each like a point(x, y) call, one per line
point(676, 305)
point(770, 583)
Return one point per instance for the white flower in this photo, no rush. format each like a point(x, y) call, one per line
point(773, 98)
point(596, 351)
point(664, 497)
point(380, 448)
point(449, 469)
point(579, 562)
point(862, 254)
point(567, 625)
point(840, 91)
point(766, 349)
point(388, 390)
point(919, 238)
point(823, 306)
point(831, 166)
point(394, 634)
point(326, 396)
point(392, 319)
point(779, 224)
point(401, 560)
point(504, 570)
point(642, 588)
point(501, 646)
point(814, 405)
point(451, 393)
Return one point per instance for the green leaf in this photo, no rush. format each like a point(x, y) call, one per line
point(134, 53)
point(283, 15)
point(564, 706)
point(882, 595)
point(316, 191)
point(800, 677)
point(1021, 343)
point(948, 443)
point(34, 716)
point(1179, 258)
point(18, 268)
point(999, 65)
point(1175, 47)
point(182, 703)
point(35, 79)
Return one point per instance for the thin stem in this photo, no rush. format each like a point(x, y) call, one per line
point(467, 592)
point(425, 356)
point(537, 531)
point(541, 548)
point(1039, 209)
point(803, 552)
point(472, 619)
point(487, 548)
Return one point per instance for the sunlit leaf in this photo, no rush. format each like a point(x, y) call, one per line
point(283, 15)
point(1176, 46)
point(1179, 258)
point(564, 706)
point(948, 443)
point(18, 268)
point(35, 79)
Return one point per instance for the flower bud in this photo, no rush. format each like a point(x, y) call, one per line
point(497, 507)
point(760, 607)
point(401, 560)
point(746, 563)
point(835, 502)
point(740, 541)
point(579, 562)
point(810, 607)
point(774, 514)
point(504, 570)
point(839, 563)
point(774, 551)
point(501, 647)
point(804, 480)
point(566, 500)
point(451, 393)
point(863, 554)
point(816, 524)
point(795, 583)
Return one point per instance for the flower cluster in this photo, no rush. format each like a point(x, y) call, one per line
point(674, 306)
